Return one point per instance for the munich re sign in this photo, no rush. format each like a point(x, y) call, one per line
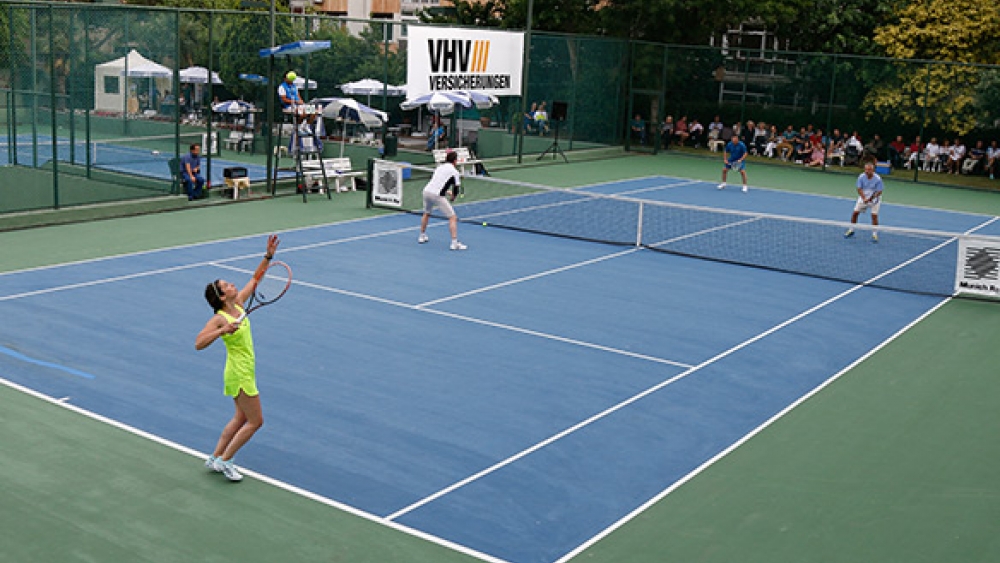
point(445, 59)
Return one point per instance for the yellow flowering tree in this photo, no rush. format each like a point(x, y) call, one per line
point(959, 34)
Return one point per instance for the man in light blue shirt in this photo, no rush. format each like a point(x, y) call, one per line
point(734, 158)
point(869, 198)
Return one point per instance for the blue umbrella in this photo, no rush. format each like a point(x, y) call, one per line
point(255, 78)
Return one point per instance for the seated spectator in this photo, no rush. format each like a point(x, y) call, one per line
point(991, 158)
point(932, 154)
point(191, 173)
point(542, 119)
point(747, 133)
point(786, 145)
point(759, 141)
point(803, 152)
point(697, 131)
point(438, 138)
point(717, 126)
point(667, 131)
point(529, 118)
point(873, 149)
point(976, 161)
point(896, 149)
point(638, 127)
point(956, 155)
point(681, 131)
point(818, 156)
point(772, 142)
point(912, 154)
point(836, 146)
point(853, 149)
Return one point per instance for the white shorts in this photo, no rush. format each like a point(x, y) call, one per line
point(873, 207)
point(432, 200)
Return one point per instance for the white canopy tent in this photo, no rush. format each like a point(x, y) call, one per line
point(111, 81)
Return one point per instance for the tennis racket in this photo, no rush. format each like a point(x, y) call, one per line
point(270, 287)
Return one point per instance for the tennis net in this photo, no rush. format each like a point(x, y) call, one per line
point(917, 261)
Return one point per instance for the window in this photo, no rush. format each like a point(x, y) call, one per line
point(112, 85)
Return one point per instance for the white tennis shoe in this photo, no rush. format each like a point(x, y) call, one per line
point(722, 186)
point(455, 245)
point(422, 238)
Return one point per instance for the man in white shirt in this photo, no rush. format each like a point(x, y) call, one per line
point(956, 156)
point(932, 153)
point(442, 187)
point(869, 198)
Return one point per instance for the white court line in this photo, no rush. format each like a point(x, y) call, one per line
point(216, 262)
point(527, 278)
point(634, 398)
point(474, 320)
point(708, 463)
point(259, 476)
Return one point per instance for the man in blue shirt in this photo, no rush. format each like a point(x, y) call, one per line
point(734, 158)
point(869, 198)
point(291, 102)
point(191, 173)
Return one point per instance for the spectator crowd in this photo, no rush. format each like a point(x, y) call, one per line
point(809, 146)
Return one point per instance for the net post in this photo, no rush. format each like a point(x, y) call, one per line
point(370, 178)
point(638, 228)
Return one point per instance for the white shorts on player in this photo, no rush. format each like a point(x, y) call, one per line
point(432, 200)
point(861, 205)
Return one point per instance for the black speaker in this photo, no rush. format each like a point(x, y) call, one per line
point(559, 110)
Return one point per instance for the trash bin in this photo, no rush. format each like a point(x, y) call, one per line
point(391, 145)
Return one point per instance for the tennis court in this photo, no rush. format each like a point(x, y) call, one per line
point(521, 401)
point(146, 157)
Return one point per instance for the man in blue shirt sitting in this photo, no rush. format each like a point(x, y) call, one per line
point(191, 173)
point(291, 102)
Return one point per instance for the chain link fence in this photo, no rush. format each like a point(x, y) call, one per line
point(78, 82)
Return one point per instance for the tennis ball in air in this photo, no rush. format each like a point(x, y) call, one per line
point(484, 223)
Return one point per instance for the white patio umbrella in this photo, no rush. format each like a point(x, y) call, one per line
point(371, 87)
point(198, 75)
point(479, 99)
point(301, 83)
point(350, 110)
point(442, 103)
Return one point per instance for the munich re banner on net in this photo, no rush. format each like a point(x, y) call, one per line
point(443, 59)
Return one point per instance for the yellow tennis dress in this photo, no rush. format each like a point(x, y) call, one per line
point(240, 362)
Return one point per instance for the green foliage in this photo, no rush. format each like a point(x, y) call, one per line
point(956, 30)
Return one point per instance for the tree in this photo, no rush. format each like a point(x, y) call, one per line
point(943, 94)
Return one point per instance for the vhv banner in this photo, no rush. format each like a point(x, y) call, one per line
point(443, 59)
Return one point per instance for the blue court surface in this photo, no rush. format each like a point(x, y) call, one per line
point(515, 401)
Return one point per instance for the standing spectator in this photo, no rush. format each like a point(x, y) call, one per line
point(896, 149)
point(191, 173)
point(734, 158)
point(869, 197)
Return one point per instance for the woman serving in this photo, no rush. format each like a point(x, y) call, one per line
point(240, 382)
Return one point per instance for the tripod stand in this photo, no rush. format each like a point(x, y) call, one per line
point(554, 147)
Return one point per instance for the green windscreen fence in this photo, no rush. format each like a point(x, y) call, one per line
point(75, 76)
